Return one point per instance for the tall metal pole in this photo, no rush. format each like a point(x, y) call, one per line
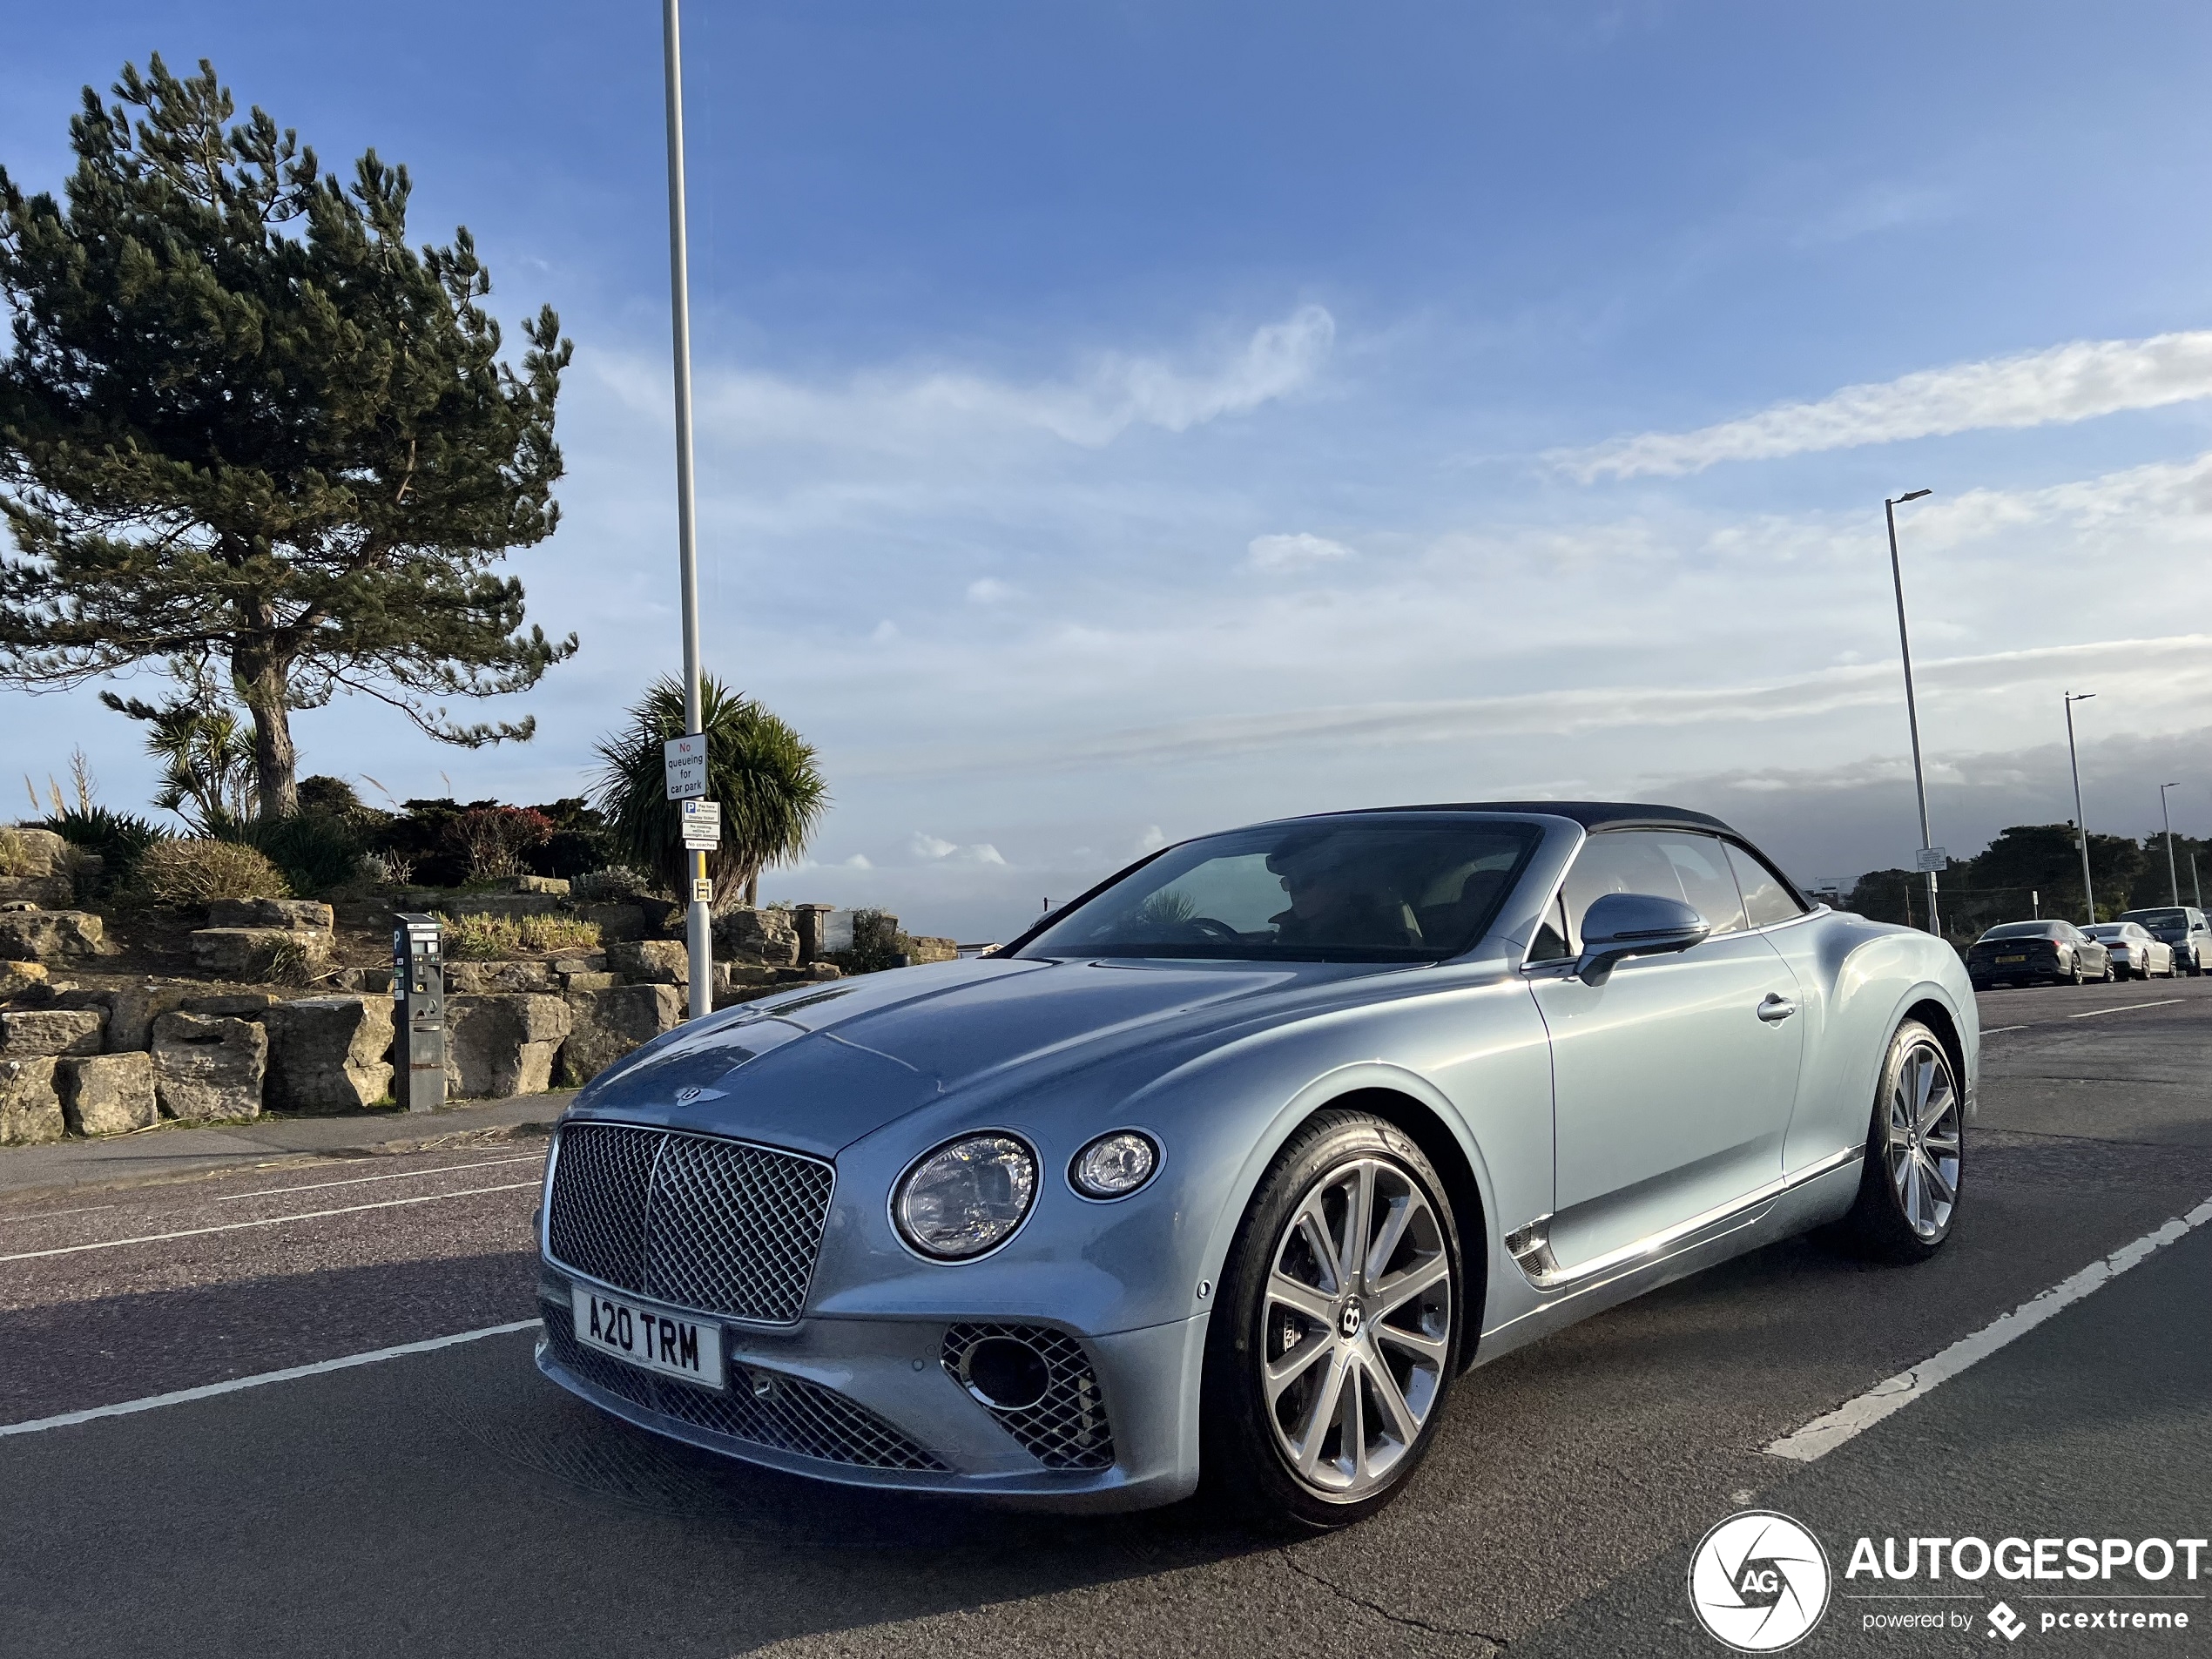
point(1911, 709)
point(2082, 824)
point(2173, 878)
point(697, 928)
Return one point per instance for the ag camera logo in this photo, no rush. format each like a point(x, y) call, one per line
point(1759, 1582)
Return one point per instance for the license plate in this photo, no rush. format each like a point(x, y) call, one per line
point(2012, 959)
point(649, 1338)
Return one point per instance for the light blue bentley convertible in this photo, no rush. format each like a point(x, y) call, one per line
point(1224, 1172)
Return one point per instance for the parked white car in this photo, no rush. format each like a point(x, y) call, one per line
point(2136, 952)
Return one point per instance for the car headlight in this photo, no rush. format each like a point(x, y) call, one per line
point(1115, 1165)
point(967, 1196)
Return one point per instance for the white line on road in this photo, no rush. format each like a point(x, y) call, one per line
point(1824, 1434)
point(2091, 1013)
point(359, 1180)
point(266, 1221)
point(208, 1390)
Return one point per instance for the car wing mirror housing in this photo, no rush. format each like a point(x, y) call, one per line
point(1622, 925)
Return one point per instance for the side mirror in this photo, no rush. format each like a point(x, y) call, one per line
point(1622, 925)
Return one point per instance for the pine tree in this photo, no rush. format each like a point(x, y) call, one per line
point(244, 423)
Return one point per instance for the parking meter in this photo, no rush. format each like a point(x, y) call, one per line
point(419, 995)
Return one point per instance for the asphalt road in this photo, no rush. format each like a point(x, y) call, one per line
point(451, 1502)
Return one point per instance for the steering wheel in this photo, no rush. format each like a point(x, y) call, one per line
point(1207, 927)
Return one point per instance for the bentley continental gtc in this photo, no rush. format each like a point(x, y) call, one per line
point(1221, 1174)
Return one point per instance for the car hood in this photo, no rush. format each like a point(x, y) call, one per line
point(817, 1071)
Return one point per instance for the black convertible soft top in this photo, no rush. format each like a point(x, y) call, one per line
point(1590, 814)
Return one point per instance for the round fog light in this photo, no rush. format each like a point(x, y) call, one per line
point(1005, 1373)
point(1115, 1165)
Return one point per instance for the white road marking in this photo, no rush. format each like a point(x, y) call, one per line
point(43, 1215)
point(266, 1221)
point(359, 1180)
point(208, 1390)
point(2091, 1013)
point(1999, 1030)
point(1824, 1434)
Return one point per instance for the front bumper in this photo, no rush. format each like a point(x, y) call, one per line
point(870, 1402)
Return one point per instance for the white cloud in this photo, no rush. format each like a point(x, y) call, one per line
point(922, 409)
point(988, 591)
point(858, 861)
point(923, 844)
point(1151, 841)
point(884, 633)
point(982, 852)
point(1278, 553)
point(936, 850)
point(2071, 382)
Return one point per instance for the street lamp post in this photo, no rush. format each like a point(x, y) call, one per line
point(697, 932)
point(2080, 824)
point(2173, 876)
point(1912, 709)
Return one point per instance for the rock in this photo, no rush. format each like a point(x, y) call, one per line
point(132, 1010)
point(27, 1034)
point(258, 953)
point(30, 1112)
point(375, 979)
point(746, 935)
point(729, 974)
point(293, 915)
point(923, 948)
point(504, 1045)
point(108, 1093)
point(20, 976)
point(588, 981)
point(329, 1054)
point(606, 1024)
point(553, 884)
point(236, 1005)
point(493, 979)
point(33, 853)
point(650, 962)
point(208, 1067)
point(40, 892)
point(590, 962)
point(49, 935)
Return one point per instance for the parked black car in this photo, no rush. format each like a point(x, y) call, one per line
point(2036, 953)
point(2183, 928)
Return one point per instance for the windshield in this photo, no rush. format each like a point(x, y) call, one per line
point(2024, 930)
point(1366, 890)
point(2176, 919)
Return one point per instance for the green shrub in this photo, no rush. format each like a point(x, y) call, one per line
point(559, 932)
point(480, 939)
point(117, 839)
point(877, 944)
point(316, 851)
point(194, 872)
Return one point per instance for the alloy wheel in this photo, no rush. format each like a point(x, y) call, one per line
point(1924, 1123)
point(1356, 1321)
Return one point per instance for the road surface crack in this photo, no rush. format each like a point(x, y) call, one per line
point(1380, 1611)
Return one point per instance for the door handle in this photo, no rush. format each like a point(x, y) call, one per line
point(1776, 1009)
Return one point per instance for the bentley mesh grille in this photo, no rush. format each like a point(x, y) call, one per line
point(689, 1220)
point(760, 1407)
point(1067, 1428)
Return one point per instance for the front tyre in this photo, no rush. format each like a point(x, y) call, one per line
point(1909, 1185)
point(1336, 1339)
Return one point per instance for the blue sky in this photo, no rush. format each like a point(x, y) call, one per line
point(1125, 421)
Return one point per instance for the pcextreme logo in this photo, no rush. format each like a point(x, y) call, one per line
point(1759, 1582)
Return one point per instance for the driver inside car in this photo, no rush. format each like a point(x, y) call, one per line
point(1330, 905)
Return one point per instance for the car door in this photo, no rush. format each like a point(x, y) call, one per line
point(1673, 1081)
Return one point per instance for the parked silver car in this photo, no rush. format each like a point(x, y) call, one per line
point(1227, 1170)
point(2183, 927)
point(2136, 954)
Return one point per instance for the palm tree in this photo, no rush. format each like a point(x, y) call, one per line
point(763, 773)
